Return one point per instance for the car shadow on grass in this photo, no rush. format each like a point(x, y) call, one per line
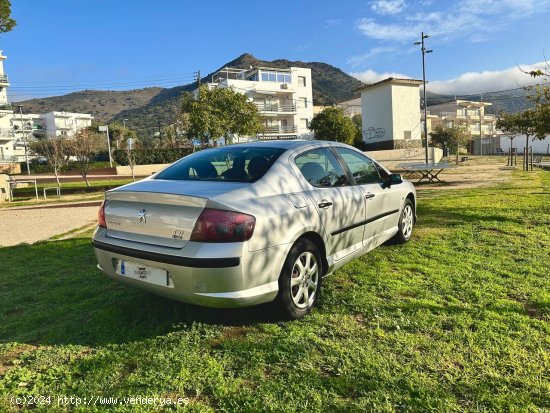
point(51, 293)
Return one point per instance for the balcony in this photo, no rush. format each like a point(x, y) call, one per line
point(4, 80)
point(280, 130)
point(6, 133)
point(64, 126)
point(6, 106)
point(276, 108)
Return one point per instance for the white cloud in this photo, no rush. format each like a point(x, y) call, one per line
point(487, 81)
point(388, 6)
point(393, 32)
point(474, 20)
point(470, 82)
point(370, 76)
point(364, 58)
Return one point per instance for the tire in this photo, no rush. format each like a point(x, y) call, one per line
point(406, 223)
point(299, 289)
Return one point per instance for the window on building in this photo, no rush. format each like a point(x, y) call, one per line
point(281, 77)
point(304, 123)
point(407, 134)
point(303, 101)
point(302, 81)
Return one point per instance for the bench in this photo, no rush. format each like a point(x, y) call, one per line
point(537, 161)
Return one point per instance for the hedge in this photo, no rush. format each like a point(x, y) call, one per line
point(42, 168)
point(151, 156)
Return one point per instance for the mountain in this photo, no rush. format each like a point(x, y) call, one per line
point(148, 109)
point(102, 104)
point(507, 101)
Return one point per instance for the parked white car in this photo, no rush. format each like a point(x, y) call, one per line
point(252, 223)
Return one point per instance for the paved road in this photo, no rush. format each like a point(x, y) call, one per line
point(36, 224)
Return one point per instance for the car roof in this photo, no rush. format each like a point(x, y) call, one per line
point(286, 144)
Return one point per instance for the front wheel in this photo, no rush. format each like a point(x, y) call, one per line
point(406, 223)
point(300, 280)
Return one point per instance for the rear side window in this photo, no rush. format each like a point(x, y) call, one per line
point(232, 163)
point(321, 169)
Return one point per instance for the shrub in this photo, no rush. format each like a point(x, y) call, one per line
point(151, 156)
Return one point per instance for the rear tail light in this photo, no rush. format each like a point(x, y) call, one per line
point(101, 216)
point(215, 225)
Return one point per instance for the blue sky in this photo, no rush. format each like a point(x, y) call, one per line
point(61, 46)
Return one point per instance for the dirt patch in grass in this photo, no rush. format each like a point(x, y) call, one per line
point(480, 171)
point(6, 359)
point(230, 333)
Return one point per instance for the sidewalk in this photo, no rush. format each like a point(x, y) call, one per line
point(32, 224)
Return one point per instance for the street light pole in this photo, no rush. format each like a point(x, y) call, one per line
point(25, 140)
point(424, 51)
point(105, 129)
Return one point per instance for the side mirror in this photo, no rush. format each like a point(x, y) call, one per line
point(393, 179)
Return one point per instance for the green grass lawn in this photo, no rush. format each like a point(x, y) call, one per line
point(456, 320)
point(73, 191)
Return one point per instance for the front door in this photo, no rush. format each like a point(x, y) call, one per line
point(381, 203)
point(340, 206)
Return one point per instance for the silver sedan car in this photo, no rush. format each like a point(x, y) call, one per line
point(252, 223)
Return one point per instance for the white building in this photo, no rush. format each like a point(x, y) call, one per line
point(351, 107)
point(284, 98)
point(472, 116)
point(540, 147)
point(8, 148)
point(65, 123)
point(391, 114)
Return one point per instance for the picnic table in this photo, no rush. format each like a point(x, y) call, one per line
point(427, 171)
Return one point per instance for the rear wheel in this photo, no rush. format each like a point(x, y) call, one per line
point(300, 280)
point(406, 223)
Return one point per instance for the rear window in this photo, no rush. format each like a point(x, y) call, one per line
point(231, 163)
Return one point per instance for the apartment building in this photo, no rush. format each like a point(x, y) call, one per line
point(7, 136)
point(284, 98)
point(64, 123)
point(471, 115)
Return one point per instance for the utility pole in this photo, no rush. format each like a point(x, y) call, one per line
point(25, 140)
point(424, 51)
point(480, 126)
point(198, 80)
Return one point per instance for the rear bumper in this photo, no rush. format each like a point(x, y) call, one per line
point(224, 280)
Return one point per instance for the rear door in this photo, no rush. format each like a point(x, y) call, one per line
point(381, 203)
point(341, 206)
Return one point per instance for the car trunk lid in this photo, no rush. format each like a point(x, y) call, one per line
point(158, 212)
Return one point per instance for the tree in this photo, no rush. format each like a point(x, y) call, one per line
point(452, 136)
point(6, 22)
point(521, 123)
point(118, 133)
point(56, 152)
point(358, 141)
point(129, 145)
point(85, 144)
point(220, 112)
point(331, 124)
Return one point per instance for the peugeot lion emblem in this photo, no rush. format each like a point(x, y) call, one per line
point(142, 214)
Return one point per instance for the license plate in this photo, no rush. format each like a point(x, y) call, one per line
point(145, 273)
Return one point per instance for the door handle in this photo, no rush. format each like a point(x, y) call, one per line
point(369, 196)
point(325, 204)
